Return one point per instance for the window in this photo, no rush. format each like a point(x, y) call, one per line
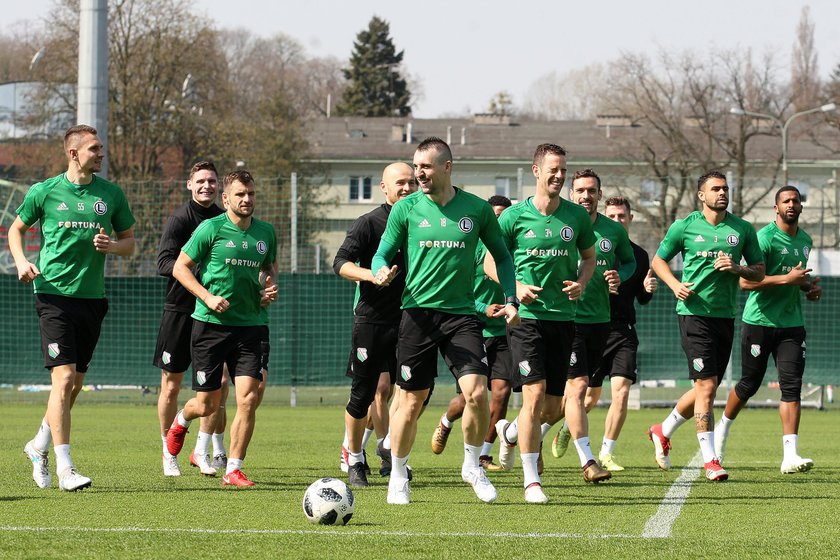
point(360, 189)
point(503, 186)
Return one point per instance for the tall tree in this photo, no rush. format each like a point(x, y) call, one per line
point(805, 82)
point(376, 86)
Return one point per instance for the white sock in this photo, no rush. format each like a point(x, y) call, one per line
point(487, 448)
point(183, 422)
point(445, 421)
point(471, 456)
point(544, 428)
point(398, 470)
point(202, 444)
point(529, 468)
point(672, 422)
point(707, 445)
point(386, 442)
point(62, 458)
point(789, 445)
point(511, 434)
point(346, 443)
point(608, 446)
point(233, 465)
point(723, 426)
point(165, 448)
point(219, 444)
point(355, 458)
point(366, 437)
point(584, 450)
point(379, 441)
point(43, 438)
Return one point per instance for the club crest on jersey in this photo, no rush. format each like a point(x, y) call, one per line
point(80, 206)
point(62, 207)
point(201, 377)
point(166, 357)
point(567, 233)
point(261, 247)
point(361, 354)
point(465, 224)
point(530, 234)
point(755, 350)
point(424, 223)
point(524, 368)
point(230, 245)
point(100, 207)
point(806, 251)
point(405, 373)
point(698, 364)
point(605, 245)
point(732, 239)
point(53, 349)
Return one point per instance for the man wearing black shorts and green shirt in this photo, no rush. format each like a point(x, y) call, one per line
point(712, 243)
point(77, 211)
point(440, 228)
point(230, 315)
point(615, 263)
point(773, 324)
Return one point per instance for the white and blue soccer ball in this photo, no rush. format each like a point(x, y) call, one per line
point(328, 501)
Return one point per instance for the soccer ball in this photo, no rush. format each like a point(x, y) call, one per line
point(328, 501)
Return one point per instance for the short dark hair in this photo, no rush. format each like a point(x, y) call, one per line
point(584, 173)
point(75, 131)
point(714, 174)
point(618, 201)
point(545, 149)
point(499, 200)
point(241, 176)
point(202, 166)
point(433, 142)
point(785, 189)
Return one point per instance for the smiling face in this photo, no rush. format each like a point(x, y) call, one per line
point(432, 170)
point(586, 192)
point(203, 186)
point(550, 174)
point(397, 182)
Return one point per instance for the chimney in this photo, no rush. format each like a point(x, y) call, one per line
point(408, 128)
point(463, 136)
point(449, 135)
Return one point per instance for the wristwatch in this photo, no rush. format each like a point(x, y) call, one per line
point(512, 300)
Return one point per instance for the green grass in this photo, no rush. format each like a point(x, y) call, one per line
point(133, 511)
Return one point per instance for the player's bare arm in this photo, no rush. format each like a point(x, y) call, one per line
point(122, 246)
point(385, 275)
point(650, 283)
point(182, 272)
point(270, 290)
point(25, 269)
point(586, 267)
point(798, 276)
point(753, 272)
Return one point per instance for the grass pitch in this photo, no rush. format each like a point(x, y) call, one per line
point(133, 511)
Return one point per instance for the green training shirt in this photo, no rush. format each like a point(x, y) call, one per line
point(546, 250)
point(779, 306)
point(440, 244)
point(487, 292)
point(231, 261)
point(715, 291)
point(612, 247)
point(71, 215)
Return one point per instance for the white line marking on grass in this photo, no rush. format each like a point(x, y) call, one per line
point(322, 531)
point(660, 523)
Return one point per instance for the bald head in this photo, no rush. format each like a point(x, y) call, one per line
point(397, 182)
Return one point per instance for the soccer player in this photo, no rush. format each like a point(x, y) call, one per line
point(375, 322)
point(773, 325)
point(230, 316)
point(489, 298)
point(712, 243)
point(172, 352)
point(619, 357)
point(440, 226)
point(553, 247)
point(78, 214)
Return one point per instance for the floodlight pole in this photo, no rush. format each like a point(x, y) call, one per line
point(92, 107)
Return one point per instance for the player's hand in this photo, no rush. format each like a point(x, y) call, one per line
point(102, 242)
point(269, 293)
point(798, 276)
point(683, 291)
point(216, 303)
point(494, 310)
point(573, 289)
point(650, 282)
point(384, 275)
point(511, 315)
point(724, 263)
point(27, 272)
point(527, 293)
point(816, 290)
point(613, 280)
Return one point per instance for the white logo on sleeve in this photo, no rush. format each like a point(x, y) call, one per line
point(698, 364)
point(405, 372)
point(362, 354)
point(755, 350)
point(166, 358)
point(201, 377)
point(53, 350)
point(524, 368)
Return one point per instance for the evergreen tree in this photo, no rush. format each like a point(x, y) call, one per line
point(375, 87)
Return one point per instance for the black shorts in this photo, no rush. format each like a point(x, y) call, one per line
point(619, 357)
point(499, 360)
point(541, 351)
point(172, 351)
point(425, 331)
point(786, 345)
point(707, 343)
point(70, 329)
point(265, 347)
point(374, 351)
point(587, 348)
point(215, 345)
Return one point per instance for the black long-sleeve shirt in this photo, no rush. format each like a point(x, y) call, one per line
point(179, 227)
point(375, 304)
point(622, 309)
